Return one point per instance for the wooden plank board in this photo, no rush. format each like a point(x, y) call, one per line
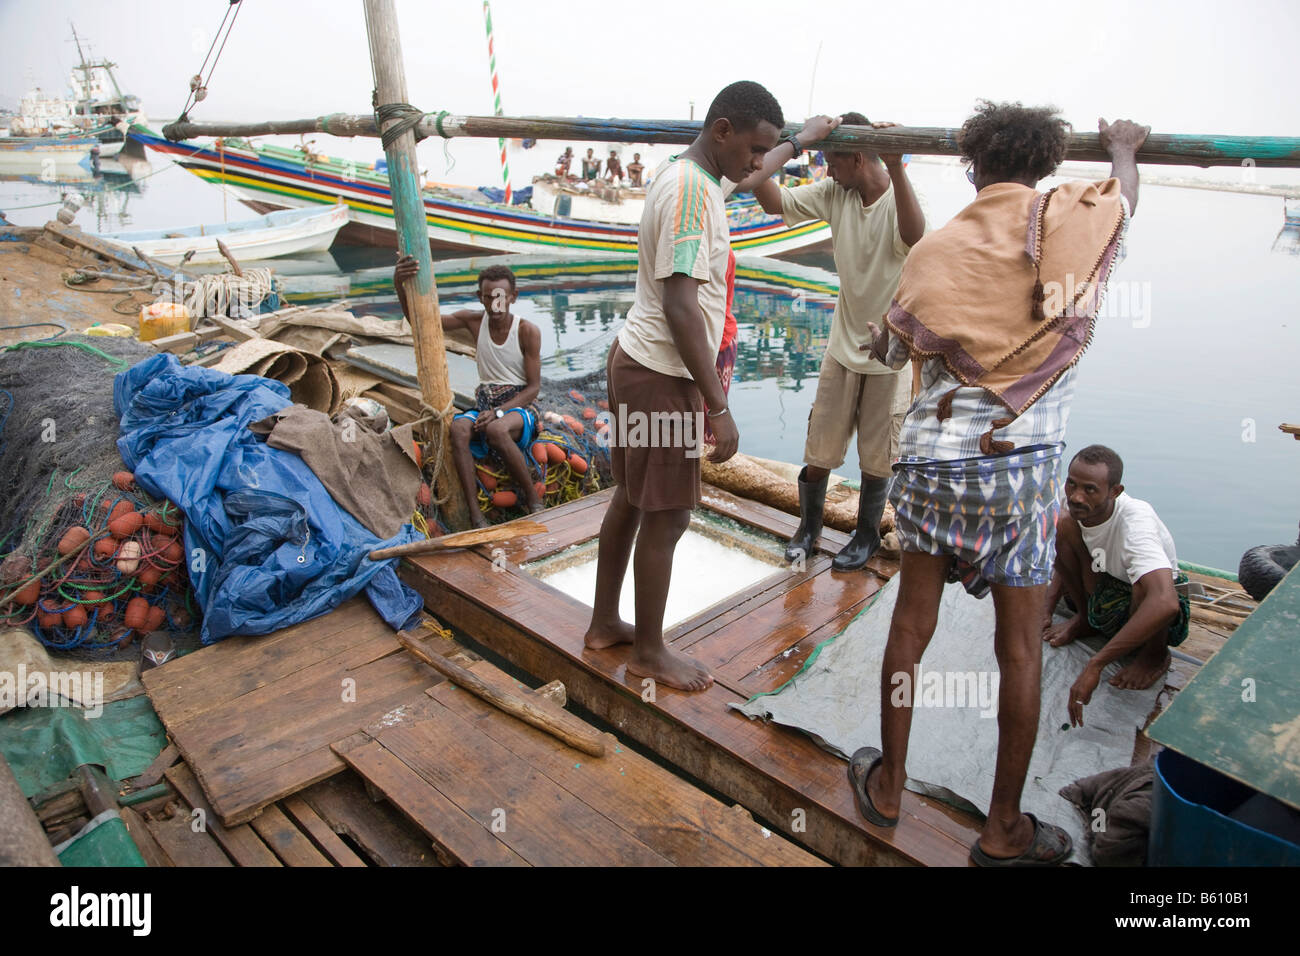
point(1240, 714)
point(254, 718)
point(184, 845)
point(527, 811)
point(772, 770)
point(154, 772)
point(459, 837)
point(244, 846)
point(379, 829)
point(286, 840)
point(325, 839)
point(685, 825)
point(150, 849)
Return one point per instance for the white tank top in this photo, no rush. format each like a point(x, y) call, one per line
point(503, 364)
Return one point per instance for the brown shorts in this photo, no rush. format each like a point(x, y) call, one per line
point(655, 423)
point(873, 404)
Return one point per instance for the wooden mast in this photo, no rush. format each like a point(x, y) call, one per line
point(413, 239)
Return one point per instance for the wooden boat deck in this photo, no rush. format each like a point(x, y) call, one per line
point(753, 642)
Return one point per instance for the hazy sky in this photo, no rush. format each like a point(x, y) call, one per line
point(1181, 67)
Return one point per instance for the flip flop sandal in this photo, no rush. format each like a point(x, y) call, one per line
point(860, 767)
point(1051, 846)
point(156, 649)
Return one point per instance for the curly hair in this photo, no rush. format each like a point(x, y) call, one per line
point(495, 274)
point(1101, 455)
point(1012, 141)
point(745, 103)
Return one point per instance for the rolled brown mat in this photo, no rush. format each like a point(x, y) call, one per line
point(22, 838)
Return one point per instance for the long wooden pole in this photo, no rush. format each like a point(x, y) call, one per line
point(1168, 149)
point(562, 725)
point(413, 239)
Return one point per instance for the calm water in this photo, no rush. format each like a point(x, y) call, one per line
point(1193, 367)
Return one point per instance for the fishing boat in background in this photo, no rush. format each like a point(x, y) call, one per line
point(50, 158)
point(284, 233)
point(460, 218)
point(1288, 237)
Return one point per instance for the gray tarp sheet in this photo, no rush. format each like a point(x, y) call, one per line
point(953, 748)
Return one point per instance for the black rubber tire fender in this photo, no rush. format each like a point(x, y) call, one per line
point(1263, 567)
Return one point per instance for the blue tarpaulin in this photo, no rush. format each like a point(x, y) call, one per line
point(268, 546)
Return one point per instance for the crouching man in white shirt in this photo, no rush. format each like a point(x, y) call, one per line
point(1115, 561)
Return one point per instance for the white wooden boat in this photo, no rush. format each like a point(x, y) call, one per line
point(282, 233)
point(46, 156)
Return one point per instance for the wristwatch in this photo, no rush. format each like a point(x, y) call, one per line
point(500, 414)
point(794, 142)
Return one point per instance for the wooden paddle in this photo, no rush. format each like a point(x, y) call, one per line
point(519, 528)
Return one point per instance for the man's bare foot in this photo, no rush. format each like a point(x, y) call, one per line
point(1058, 635)
point(537, 506)
point(1146, 669)
point(1005, 843)
point(670, 667)
point(885, 804)
point(605, 635)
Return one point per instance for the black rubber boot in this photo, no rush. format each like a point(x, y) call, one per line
point(866, 540)
point(812, 503)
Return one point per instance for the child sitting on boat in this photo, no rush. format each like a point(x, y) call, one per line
point(509, 356)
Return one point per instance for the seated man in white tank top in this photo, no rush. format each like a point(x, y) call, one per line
point(509, 355)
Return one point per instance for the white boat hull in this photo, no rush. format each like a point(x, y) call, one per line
point(310, 234)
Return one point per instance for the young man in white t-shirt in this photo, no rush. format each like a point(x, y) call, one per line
point(662, 368)
point(1116, 562)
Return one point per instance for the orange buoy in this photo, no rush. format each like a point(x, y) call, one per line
point(578, 464)
point(154, 618)
point(504, 499)
point(123, 480)
point(73, 539)
point(539, 452)
point(28, 595)
point(126, 525)
point(577, 396)
point(540, 489)
point(173, 553)
point(488, 481)
point(106, 547)
point(74, 616)
point(604, 405)
point(424, 497)
point(137, 613)
point(589, 413)
point(556, 453)
point(149, 576)
point(122, 507)
point(49, 618)
point(93, 598)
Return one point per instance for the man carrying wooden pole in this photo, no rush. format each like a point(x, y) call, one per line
point(396, 120)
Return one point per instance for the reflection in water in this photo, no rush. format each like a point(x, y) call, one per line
point(103, 194)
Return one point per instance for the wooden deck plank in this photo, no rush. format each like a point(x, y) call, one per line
point(378, 828)
point(257, 722)
point(244, 846)
point(772, 770)
point(460, 837)
point(685, 825)
point(286, 840)
point(538, 819)
point(185, 846)
point(326, 840)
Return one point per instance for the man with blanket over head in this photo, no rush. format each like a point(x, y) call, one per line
point(998, 306)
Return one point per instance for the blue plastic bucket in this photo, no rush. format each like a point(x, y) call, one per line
point(1190, 826)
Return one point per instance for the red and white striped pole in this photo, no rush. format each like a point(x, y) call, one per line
point(496, 94)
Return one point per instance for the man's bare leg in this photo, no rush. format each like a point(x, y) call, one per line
point(1076, 578)
point(652, 569)
point(920, 586)
point(461, 430)
point(1008, 832)
point(617, 533)
point(503, 435)
point(1153, 658)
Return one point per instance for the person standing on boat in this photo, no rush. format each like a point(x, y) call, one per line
point(1115, 559)
point(634, 171)
point(590, 165)
point(875, 219)
point(998, 305)
point(662, 368)
point(508, 351)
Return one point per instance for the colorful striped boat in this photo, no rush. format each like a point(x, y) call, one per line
point(273, 177)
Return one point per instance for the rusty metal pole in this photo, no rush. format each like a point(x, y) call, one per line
point(413, 239)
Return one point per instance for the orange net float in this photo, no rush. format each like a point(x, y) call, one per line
point(123, 480)
point(73, 539)
point(589, 414)
point(126, 525)
point(577, 396)
point(137, 613)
